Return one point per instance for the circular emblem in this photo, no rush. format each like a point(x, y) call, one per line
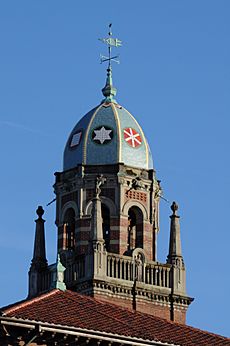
point(102, 135)
point(132, 137)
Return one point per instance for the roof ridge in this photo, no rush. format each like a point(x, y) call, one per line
point(31, 301)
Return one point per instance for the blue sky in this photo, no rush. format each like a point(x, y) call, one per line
point(174, 77)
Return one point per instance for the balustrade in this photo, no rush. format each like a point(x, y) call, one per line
point(120, 268)
point(125, 268)
point(76, 270)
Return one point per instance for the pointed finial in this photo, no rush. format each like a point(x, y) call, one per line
point(109, 91)
point(174, 208)
point(40, 211)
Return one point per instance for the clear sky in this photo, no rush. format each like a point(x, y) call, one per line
point(174, 77)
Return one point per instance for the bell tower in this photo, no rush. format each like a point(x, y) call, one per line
point(107, 214)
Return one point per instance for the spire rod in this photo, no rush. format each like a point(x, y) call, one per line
point(109, 91)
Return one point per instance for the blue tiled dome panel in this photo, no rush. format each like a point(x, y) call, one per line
point(108, 134)
point(102, 151)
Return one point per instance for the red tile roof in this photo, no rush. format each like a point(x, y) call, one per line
point(73, 309)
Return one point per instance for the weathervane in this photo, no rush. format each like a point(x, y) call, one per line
point(111, 42)
point(109, 91)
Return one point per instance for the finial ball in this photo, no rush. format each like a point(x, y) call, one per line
point(174, 207)
point(40, 211)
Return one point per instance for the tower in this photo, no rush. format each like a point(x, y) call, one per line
point(107, 216)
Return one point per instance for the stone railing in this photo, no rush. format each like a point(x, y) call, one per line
point(157, 274)
point(120, 267)
point(117, 267)
point(127, 268)
point(76, 270)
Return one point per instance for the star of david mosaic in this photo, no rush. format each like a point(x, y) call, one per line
point(132, 137)
point(102, 135)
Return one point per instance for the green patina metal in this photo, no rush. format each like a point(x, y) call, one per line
point(59, 270)
point(109, 91)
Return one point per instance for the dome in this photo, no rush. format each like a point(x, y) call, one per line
point(108, 134)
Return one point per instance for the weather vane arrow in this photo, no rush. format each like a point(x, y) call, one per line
point(111, 42)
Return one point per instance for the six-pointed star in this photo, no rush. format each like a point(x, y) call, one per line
point(102, 135)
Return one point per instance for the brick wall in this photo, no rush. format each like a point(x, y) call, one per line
point(151, 308)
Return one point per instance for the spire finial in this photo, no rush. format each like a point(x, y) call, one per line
point(109, 91)
point(174, 207)
point(40, 211)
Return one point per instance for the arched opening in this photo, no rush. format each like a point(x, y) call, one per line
point(69, 230)
point(106, 225)
point(135, 228)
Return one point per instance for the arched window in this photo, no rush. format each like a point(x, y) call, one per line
point(135, 228)
point(69, 230)
point(106, 225)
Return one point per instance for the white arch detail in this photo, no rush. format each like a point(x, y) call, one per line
point(68, 205)
point(138, 250)
point(105, 200)
point(134, 203)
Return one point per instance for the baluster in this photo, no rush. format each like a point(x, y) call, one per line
point(122, 269)
point(128, 271)
point(80, 268)
point(108, 266)
point(76, 268)
point(83, 268)
point(155, 275)
point(144, 279)
point(125, 270)
point(132, 270)
point(113, 267)
point(146, 274)
point(151, 275)
point(164, 272)
point(160, 276)
point(117, 269)
point(167, 277)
